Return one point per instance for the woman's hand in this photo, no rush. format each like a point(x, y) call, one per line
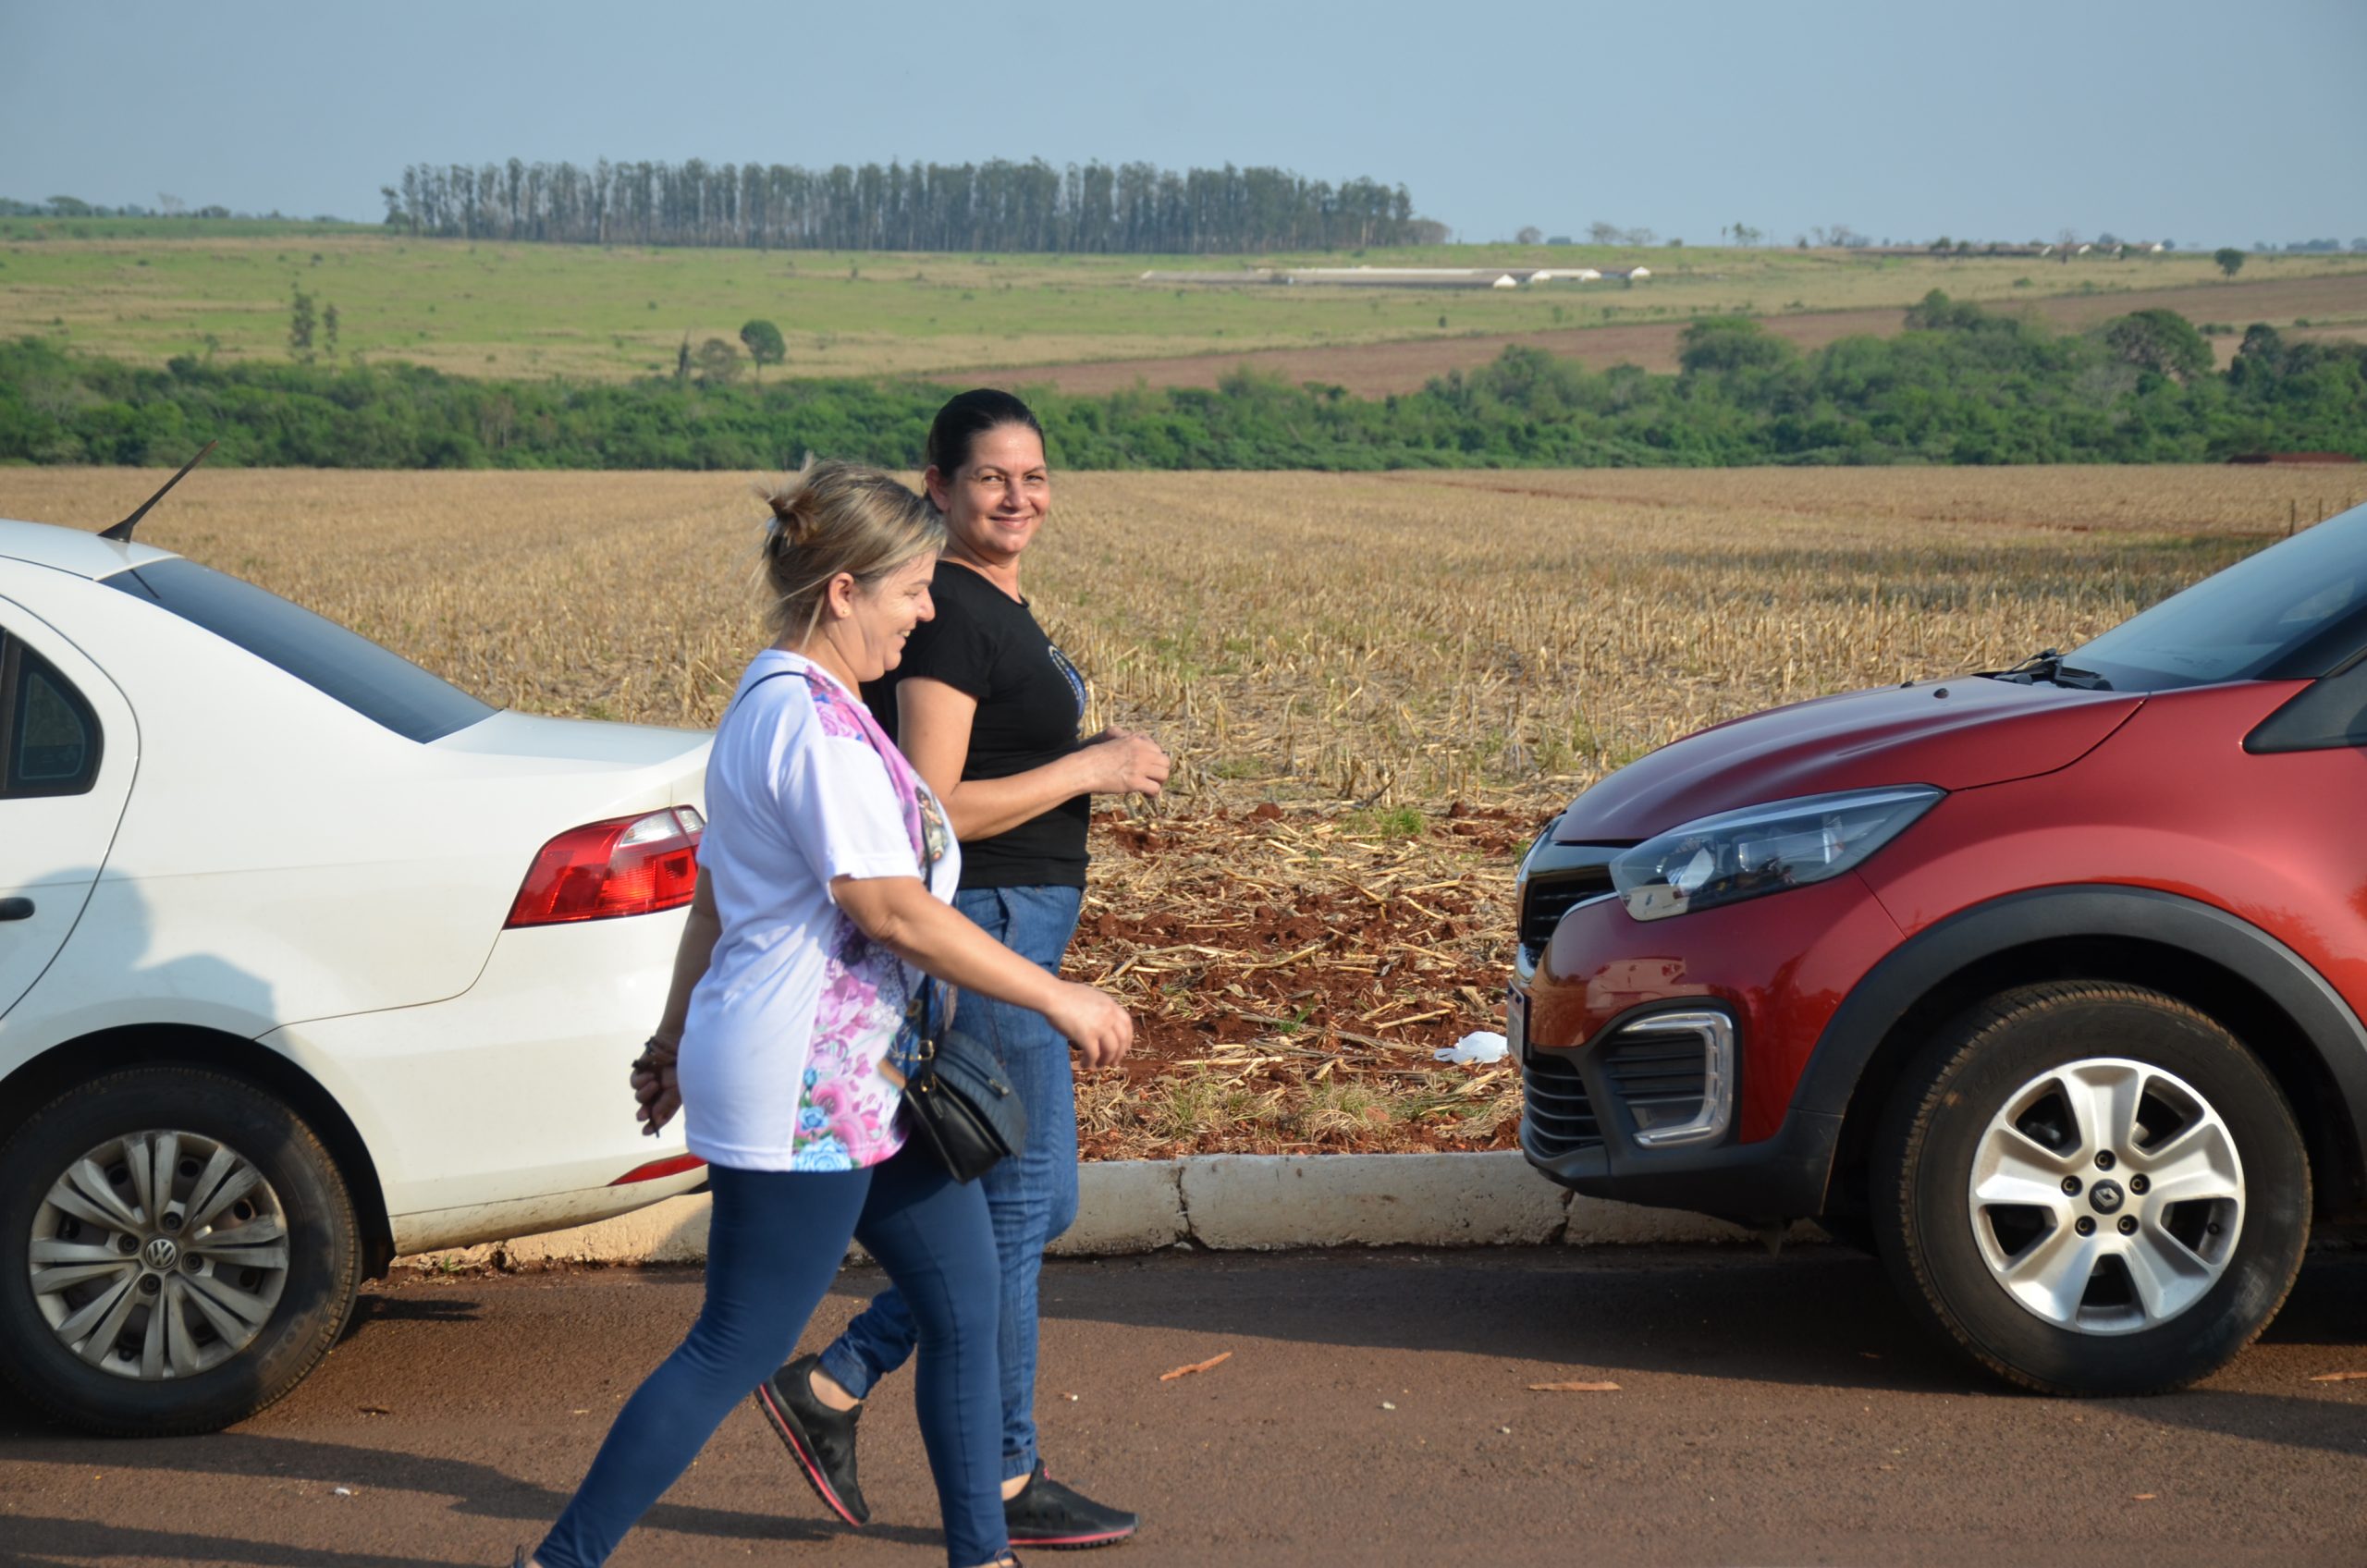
point(1125, 763)
point(660, 1095)
point(655, 1086)
point(1093, 1021)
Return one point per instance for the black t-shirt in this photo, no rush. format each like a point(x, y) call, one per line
point(1031, 707)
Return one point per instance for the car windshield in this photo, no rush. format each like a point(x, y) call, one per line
point(380, 685)
point(2292, 612)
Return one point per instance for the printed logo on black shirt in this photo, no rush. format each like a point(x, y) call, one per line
point(1069, 673)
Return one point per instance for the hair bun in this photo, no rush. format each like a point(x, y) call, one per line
point(784, 529)
point(792, 524)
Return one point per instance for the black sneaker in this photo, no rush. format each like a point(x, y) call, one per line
point(819, 1439)
point(1046, 1513)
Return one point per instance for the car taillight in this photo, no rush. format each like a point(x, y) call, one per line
point(626, 865)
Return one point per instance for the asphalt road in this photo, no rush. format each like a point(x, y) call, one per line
point(1374, 1409)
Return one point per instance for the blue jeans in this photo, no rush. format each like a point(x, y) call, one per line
point(1031, 1196)
point(775, 1243)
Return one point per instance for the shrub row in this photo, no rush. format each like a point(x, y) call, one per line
point(1960, 386)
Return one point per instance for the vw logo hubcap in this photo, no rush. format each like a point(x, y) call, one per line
point(159, 1253)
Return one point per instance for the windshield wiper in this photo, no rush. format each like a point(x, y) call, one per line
point(2049, 666)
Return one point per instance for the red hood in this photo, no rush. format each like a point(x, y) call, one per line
point(1957, 734)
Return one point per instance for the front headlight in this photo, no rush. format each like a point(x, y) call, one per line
point(1741, 854)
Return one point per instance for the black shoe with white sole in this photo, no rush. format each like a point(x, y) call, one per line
point(820, 1439)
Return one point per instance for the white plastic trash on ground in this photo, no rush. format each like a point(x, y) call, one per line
point(1483, 1044)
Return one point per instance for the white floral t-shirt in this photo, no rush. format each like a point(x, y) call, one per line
point(781, 1052)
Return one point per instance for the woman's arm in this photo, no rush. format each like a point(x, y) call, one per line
point(899, 913)
point(933, 722)
point(653, 1076)
point(691, 955)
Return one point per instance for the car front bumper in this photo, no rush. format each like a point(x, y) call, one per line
point(1659, 1058)
point(1779, 1178)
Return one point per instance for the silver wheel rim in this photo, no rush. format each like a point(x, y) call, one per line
point(2106, 1197)
point(159, 1255)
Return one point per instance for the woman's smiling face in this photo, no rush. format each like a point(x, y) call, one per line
point(997, 500)
point(884, 616)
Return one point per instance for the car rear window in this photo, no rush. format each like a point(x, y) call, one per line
point(376, 682)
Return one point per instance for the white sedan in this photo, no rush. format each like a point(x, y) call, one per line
point(308, 959)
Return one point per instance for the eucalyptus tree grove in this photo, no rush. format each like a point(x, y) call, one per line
point(996, 205)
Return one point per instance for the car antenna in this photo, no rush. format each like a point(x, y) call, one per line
point(122, 530)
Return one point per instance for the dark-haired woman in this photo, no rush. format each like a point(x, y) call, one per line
point(822, 896)
point(990, 712)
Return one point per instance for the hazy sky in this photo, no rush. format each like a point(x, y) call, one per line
point(2187, 120)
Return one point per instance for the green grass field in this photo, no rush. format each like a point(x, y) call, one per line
point(146, 291)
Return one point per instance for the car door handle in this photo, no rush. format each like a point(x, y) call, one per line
point(16, 909)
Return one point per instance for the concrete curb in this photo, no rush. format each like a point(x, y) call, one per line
point(1229, 1203)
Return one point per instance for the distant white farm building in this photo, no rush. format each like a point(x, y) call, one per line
point(1395, 277)
point(1217, 276)
point(1628, 275)
point(1405, 277)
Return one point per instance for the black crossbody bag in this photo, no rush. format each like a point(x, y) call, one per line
point(958, 1099)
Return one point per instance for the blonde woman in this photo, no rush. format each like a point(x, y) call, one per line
point(823, 895)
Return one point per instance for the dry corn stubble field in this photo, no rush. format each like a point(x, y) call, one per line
point(1373, 685)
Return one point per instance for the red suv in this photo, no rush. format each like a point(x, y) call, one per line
point(2046, 982)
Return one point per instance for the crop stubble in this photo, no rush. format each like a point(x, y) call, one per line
point(1374, 686)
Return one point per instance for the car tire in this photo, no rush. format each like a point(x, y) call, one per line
point(178, 1249)
point(2092, 1189)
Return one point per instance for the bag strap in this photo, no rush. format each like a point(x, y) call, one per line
point(923, 1023)
point(928, 1014)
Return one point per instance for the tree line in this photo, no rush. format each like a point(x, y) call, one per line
point(75, 207)
point(995, 206)
point(1960, 386)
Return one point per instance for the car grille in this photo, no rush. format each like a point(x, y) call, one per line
point(1548, 899)
point(1661, 1080)
point(1559, 1119)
